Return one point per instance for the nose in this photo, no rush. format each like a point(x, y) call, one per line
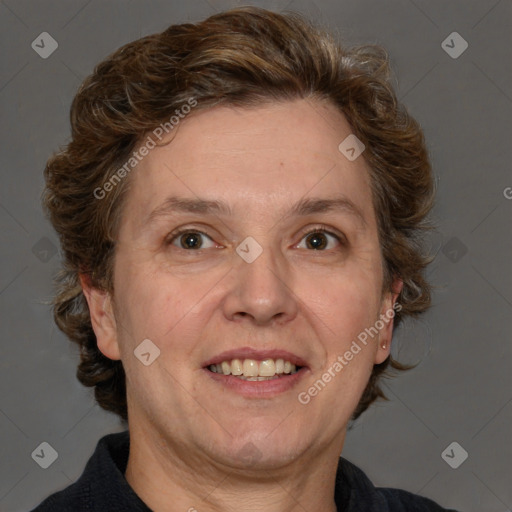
point(261, 292)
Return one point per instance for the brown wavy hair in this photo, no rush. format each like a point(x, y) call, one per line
point(242, 57)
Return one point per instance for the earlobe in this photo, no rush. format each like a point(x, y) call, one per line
point(102, 318)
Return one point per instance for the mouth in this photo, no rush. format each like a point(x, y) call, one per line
point(254, 370)
point(256, 373)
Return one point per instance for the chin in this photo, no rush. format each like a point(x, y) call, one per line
point(261, 450)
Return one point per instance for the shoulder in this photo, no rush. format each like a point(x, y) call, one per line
point(408, 502)
point(355, 492)
point(75, 497)
point(102, 485)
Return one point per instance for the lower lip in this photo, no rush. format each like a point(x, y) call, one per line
point(258, 388)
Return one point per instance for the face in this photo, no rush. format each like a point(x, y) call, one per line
point(273, 274)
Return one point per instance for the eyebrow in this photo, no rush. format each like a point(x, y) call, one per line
point(303, 207)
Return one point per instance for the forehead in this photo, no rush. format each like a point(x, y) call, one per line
point(256, 160)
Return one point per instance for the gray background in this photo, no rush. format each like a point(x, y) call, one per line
point(461, 391)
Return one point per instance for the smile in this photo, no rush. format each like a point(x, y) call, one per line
point(255, 373)
point(253, 370)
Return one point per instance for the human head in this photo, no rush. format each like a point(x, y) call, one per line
point(242, 58)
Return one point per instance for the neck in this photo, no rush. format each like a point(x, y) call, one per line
point(168, 481)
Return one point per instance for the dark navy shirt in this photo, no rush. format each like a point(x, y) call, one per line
point(102, 487)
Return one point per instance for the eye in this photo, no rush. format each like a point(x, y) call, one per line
point(189, 239)
point(318, 239)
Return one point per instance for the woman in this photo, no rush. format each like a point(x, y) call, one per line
point(239, 209)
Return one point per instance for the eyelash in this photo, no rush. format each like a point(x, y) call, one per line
point(317, 229)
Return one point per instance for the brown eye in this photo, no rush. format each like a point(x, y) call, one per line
point(188, 239)
point(318, 240)
point(191, 241)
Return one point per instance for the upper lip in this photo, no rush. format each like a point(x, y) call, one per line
point(252, 353)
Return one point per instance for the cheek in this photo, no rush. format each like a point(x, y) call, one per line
point(345, 302)
point(164, 308)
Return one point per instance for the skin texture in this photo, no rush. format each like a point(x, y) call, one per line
point(187, 431)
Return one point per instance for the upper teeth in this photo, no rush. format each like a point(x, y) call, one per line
point(253, 368)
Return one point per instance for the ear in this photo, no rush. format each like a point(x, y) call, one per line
point(387, 314)
point(102, 318)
